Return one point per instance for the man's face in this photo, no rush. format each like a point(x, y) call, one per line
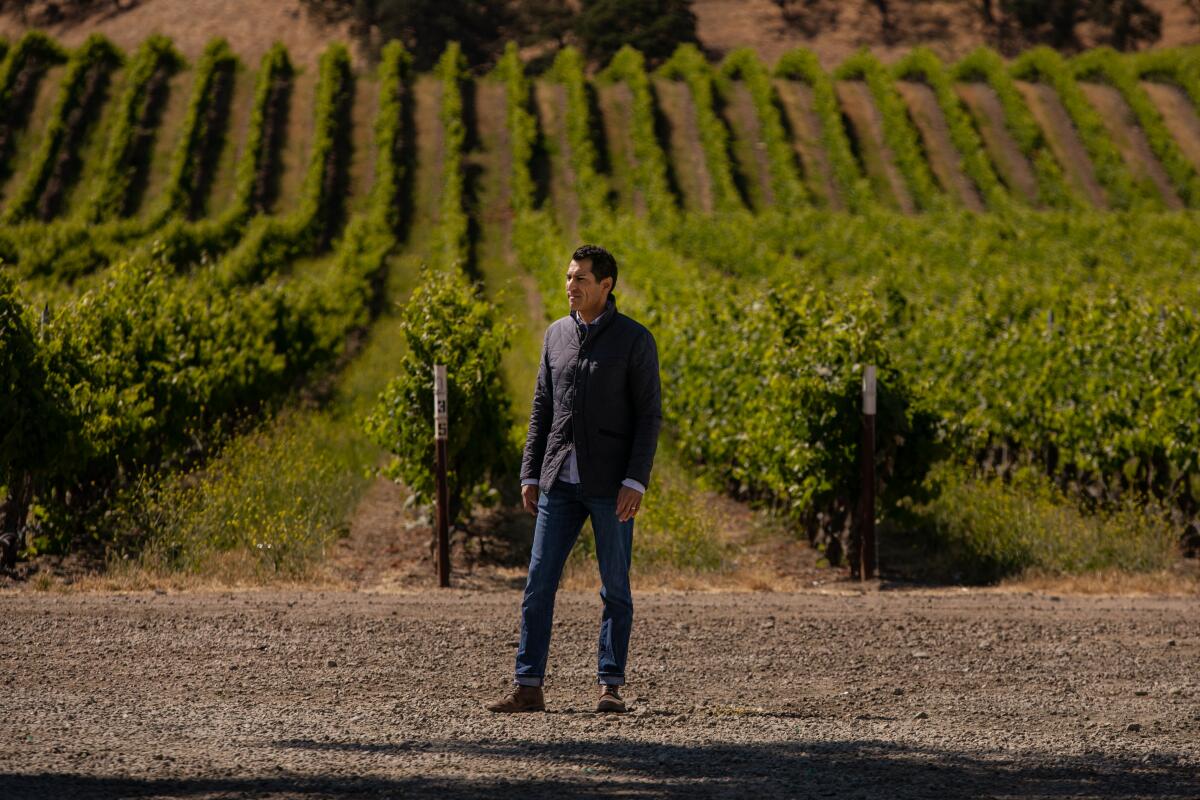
point(583, 292)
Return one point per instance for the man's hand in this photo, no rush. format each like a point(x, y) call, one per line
point(628, 502)
point(529, 497)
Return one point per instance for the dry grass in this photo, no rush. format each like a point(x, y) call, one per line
point(1181, 580)
point(229, 571)
point(747, 575)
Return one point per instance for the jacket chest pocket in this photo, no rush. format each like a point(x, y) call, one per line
point(606, 378)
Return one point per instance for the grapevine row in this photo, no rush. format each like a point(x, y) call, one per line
point(802, 65)
point(207, 110)
point(70, 249)
point(740, 367)
point(453, 223)
point(1124, 191)
point(898, 131)
point(592, 189)
point(82, 87)
point(923, 65)
point(985, 66)
point(129, 376)
point(743, 64)
point(1108, 66)
point(1175, 66)
point(271, 241)
point(20, 70)
point(145, 80)
point(446, 321)
point(629, 66)
point(689, 65)
point(1104, 355)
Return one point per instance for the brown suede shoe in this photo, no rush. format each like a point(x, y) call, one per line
point(521, 698)
point(610, 700)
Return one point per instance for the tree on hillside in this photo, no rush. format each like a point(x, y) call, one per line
point(1125, 23)
point(424, 26)
point(656, 27)
point(545, 21)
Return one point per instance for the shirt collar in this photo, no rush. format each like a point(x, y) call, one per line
point(608, 307)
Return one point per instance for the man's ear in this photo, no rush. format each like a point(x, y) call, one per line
point(610, 283)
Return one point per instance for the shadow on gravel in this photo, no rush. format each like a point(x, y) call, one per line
point(645, 769)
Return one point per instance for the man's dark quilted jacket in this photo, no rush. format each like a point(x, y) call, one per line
point(602, 395)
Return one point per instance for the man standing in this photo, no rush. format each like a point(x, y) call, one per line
point(592, 435)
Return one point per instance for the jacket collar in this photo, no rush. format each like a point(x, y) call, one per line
point(597, 326)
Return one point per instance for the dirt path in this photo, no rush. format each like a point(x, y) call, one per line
point(944, 158)
point(752, 167)
point(1130, 140)
point(1179, 115)
point(797, 102)
point(554, 172)
point(27, 137)
point(297, 141)
point(877, 160)
point(490, 168)
point(1011, 164)
point(615, 104)
point(360, 173)
point(233, 139)
point(684, 150)
point(1064, 140)
point(427, 180)
point(168, 123)
point(74, 182)
point(277, 694)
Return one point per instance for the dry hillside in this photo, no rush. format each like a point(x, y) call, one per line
point(831, 28)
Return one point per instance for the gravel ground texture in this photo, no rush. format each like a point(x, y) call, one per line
point(897, 694)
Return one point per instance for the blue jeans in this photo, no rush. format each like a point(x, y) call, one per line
point(561, 512)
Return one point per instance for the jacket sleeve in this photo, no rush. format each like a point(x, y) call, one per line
point(646, 396)
point(540, 419)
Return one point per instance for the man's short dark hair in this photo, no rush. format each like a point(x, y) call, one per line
point(603, 263)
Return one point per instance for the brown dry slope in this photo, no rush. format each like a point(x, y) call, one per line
point(834, 29)
point(250, 26)
point(899, 695)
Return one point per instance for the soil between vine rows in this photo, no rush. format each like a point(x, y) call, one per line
point(899, 694)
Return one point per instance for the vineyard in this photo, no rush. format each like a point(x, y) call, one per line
point(189, 248)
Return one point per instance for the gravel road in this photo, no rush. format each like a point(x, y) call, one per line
point(893, 694)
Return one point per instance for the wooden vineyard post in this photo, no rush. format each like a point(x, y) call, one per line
point(866, 503)
point(441, 425)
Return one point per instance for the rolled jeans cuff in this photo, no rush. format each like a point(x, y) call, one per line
point(527, 680)
point(610, 680)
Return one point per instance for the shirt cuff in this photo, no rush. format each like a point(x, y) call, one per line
point(529, 481)
point(632, 484)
